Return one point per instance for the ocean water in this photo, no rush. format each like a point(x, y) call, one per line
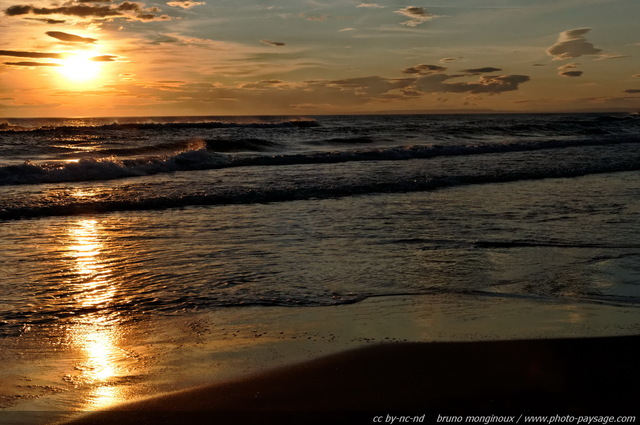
point(112, 221)
point(130, 216)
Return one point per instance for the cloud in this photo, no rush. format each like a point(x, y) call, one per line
point(104, 58)
point(346, 29)
point(18, 10)
point(371, 5)
point(33, 55)
point(127, 5)
point(273, 43)
point(572, 44)
point(569, 70)
point(446, 60)
point(181, 40)
point(605, 56)
point(416, 15)
point(636, 75)
point(424, 69)
point(377, 88)
point(48, 21)
point(632, 91)
point(340, 95)
point(165, 38)
point(493, 84)
point(77, 10)
point(268, 84)
point(185, 4)
point(72, 38)
point(481, 70)
point(497, 83)
point(315, 18)
point(128, 10)
point(32, 64)
point(370, 86)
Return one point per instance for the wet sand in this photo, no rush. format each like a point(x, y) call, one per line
point(57, 373)
point(595, 376)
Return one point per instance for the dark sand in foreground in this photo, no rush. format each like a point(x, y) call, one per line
point(596, 376)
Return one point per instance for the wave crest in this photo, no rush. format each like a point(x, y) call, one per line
point(197, 155)
point(89, 169)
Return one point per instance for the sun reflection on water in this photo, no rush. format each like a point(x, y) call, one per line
point(94, 333)
point(92, 273)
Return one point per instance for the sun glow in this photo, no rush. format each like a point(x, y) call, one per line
point(79, 67)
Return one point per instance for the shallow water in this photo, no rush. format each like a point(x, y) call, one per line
point(549, 238)
point(331, 235)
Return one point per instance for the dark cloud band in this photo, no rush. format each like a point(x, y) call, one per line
point(126, 9)
point(273, 43)
point(32, 64)
point(104, 58)
point(481, 70)
point(71, 38)
point(33, 55)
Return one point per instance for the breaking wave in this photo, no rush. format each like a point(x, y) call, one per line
point(204, 155)
point(305, 191)
point(90, 169)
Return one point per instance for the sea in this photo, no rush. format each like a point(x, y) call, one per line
point(124, 219)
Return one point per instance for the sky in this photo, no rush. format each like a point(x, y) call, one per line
point(68, 58)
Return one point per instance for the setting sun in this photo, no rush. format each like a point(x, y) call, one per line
point(80, 67)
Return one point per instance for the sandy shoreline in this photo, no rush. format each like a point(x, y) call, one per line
point(55, 374)
point(594, 376)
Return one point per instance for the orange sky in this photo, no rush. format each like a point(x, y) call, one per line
point(116, 58)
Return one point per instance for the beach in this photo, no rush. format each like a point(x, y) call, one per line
point(427, 355)
point(319, 212)
point(162, 261)
point(478, 381)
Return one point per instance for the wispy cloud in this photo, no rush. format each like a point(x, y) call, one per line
point(371, 5)
point(185, 4)
point(605, 56)
point(486, 84)
point(314, 18)
point(416, 15)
